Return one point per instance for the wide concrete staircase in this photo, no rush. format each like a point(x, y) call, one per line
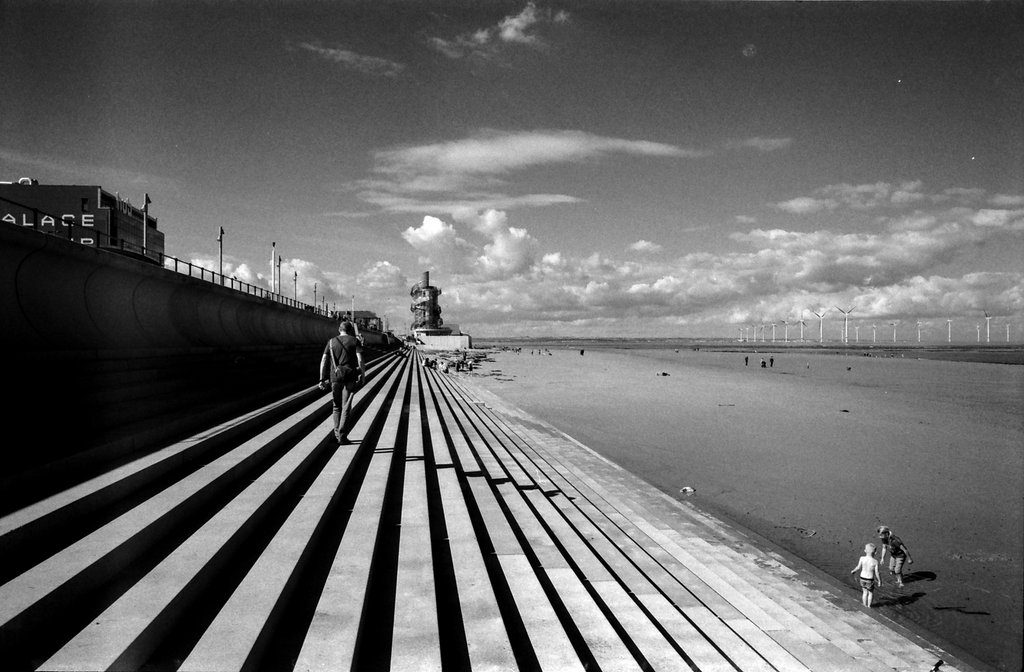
point(455, 533)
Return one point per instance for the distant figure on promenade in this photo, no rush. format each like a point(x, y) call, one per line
point(868, 577)
point(898, 553)
point(581, 353)
point(771, 362)
point(342, 355)
point(746, 360)
point(763, 365)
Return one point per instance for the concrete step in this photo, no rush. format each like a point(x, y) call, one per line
point(456, 532)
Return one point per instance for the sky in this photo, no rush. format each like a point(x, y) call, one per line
point(619, 169)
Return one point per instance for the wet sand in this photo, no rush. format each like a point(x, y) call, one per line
point(813, 454)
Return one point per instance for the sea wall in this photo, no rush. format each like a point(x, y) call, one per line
point(453, 342)
point(56, 295)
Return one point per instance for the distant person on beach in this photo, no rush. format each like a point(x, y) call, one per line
point(581, 353)
point(763, 366)
point(746, 361)
point(868, 577)
point(898, 553)
point(342, 355)
point(771, 362)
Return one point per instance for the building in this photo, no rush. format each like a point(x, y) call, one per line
point(428, 329)
point(85, 214)
point(425, 309)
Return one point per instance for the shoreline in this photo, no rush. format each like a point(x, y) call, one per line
point(759, 448)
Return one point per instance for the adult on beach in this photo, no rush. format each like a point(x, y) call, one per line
point(898, 553)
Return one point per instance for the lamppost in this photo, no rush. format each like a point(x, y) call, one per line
point(220, 245)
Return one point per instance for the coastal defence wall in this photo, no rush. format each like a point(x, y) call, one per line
point(56, 295)
point(110, 357)
point(453, 342)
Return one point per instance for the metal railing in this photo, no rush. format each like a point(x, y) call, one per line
point(103, 241)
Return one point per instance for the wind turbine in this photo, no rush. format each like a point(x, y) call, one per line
point(978, 327)
point(918, 331)
point(786, 325)
point(988, 321)
point(821, 318)
point(773, 332)
point(874, 330)
point(846, 323)
point(802, 325)
point(949, 331)
point(893, 325)
point(1007, 332)
point(741, 334)
point(856, 332)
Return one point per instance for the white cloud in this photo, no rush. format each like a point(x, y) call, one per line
point(522, 29)
point(494, 152)
point(470, 174)
point(1007, 200)
point(382, 275)
point(645, 246)
point(999, 218)
point(803, 205)
point(510, 252)
point(763, 144)
point(367, 65)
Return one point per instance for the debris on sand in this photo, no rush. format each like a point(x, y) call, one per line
point(686, 490)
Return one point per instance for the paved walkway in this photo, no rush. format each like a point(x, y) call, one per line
point(455, 533)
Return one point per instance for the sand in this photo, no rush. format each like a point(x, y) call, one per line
point(814, 453)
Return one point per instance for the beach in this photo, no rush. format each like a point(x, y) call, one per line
point(813, 452)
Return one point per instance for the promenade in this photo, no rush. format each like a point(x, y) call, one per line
point(456, 532)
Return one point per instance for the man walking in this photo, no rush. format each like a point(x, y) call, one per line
point(342, 355)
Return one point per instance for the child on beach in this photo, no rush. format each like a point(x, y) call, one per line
point(898, 553)
point(868, 577)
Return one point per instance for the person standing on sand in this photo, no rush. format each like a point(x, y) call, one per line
point(868, 577)
point(746, 361)
point(898, 553)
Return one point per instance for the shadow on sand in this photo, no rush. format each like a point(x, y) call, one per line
point(919, 576)
point(899, 600)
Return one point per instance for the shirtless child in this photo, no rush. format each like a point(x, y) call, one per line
point(868, 577)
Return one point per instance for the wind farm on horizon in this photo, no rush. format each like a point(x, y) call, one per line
point(918, 332)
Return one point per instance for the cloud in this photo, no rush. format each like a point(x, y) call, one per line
point(495, 153)
point(473, 173)
point(876, 195)
point(645, 246)
point(432, 234)
point(382, 275)
point(522, 29)
point(366, 65)
point(776, 274)
point(803, 205)
point(510, 252)
point(762, 144)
